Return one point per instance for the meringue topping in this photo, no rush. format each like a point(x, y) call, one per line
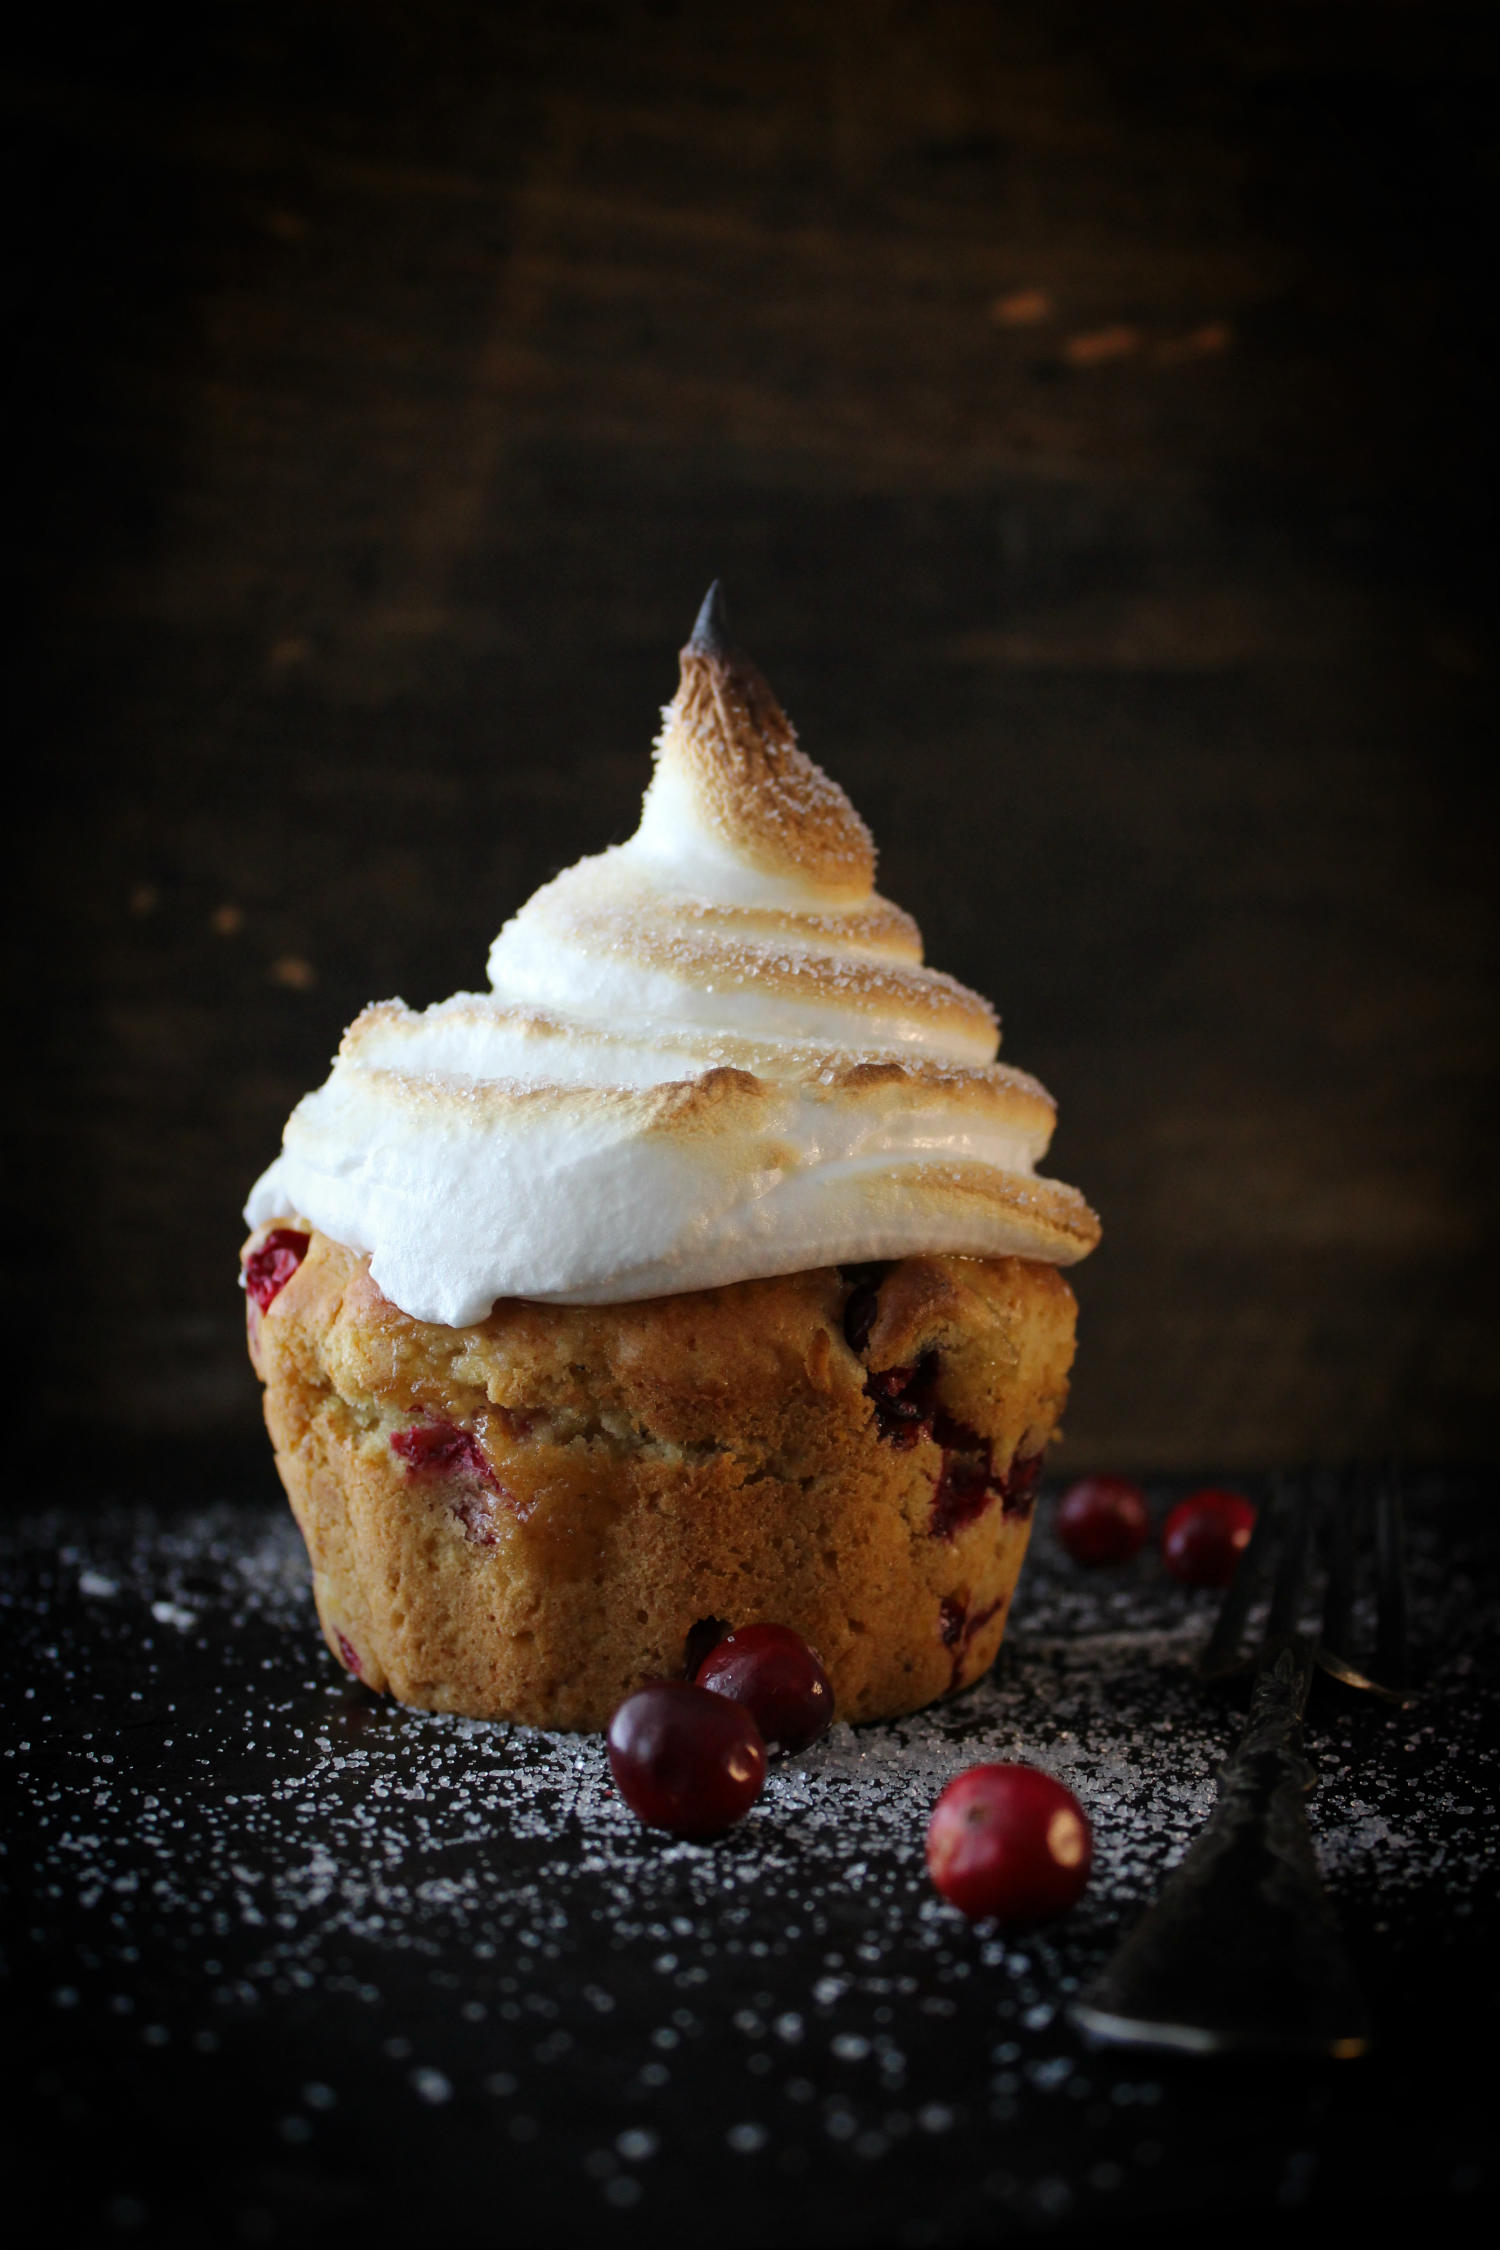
point(709, 1054)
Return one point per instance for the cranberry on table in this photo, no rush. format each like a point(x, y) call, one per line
point(779, 1678)
point(1205, 1535)
point(1103, 1520)
point(686, 1760)
point(1009, 1841)
point(270, 1268)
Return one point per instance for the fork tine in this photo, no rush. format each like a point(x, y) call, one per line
point(1222, 1652)
point(1338, 1603)
point(1386, 1676)
point(1297, 1507)
point(1390, 1583)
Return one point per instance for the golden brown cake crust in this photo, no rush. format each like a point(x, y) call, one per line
point(526, 1518)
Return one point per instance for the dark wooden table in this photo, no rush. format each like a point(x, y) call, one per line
point(289, 1964)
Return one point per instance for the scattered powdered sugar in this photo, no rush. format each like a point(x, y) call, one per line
point(225, 1849)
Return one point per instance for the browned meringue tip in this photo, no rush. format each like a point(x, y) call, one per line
point(710, 634)
point(728, 737)
point(737, 690)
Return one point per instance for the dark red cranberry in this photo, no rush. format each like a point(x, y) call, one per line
point(1205, 1535)
point(1018, 1487)
point(270, 1268)
point(476, 1516)
point(1103, 1520)
point(686, 1760)
point(779, 1679)
point(1009, 1841)
point(903, 1401)
point(349, 1657)
point(907, 1409)
point(440, 1449)
point(964, 1489)
point(967, 1482)
point(959, 1627)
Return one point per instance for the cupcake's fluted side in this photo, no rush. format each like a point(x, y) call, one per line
point(710, 1054)
point(529, 1517)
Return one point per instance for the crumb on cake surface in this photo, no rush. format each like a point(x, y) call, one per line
point(526, 1517)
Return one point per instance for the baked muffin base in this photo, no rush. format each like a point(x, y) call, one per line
point(526, 1518)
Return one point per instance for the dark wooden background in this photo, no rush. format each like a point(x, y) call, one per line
point(1088, 410)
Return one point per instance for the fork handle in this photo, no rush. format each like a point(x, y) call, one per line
point(1241, 1950)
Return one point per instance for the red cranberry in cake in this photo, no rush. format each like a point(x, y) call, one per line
point(440, 1448)
point(953, 1612)
point(778, 1678)
point(907, 1408)
point(963, 1491)
point(456, 1457)
point(349, 1656)
point(1018, 1488)
point(968, 1482)
point(684, 1759)
point(903, 1401)
point(1205, 1535)
point(1103, 1520)
point(959, 1626)
point(269, 1268)
point(1009, 1841)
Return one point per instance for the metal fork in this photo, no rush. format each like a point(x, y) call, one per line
point(1242, 1952)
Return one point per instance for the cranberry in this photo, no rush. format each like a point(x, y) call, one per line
point(1018, 1490)
point(968, 1482)
point(1205, 1535)
point(903, 1401)
point(907, 1409)
point(270, 1268)
point(958, 1626)
point(1103, 1520)
point(964, 1489)
point(349, 1657)
point(684, 1759)
point(1009, 1841)
point(779, 1679)
point(441, 1449)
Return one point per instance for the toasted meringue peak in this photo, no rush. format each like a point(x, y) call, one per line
point(728, 748)
point(710, 1053)
point(710, 635)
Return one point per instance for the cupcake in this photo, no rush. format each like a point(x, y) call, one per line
point(699, 1273)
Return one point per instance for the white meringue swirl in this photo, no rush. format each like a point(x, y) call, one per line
point(710, 1054)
